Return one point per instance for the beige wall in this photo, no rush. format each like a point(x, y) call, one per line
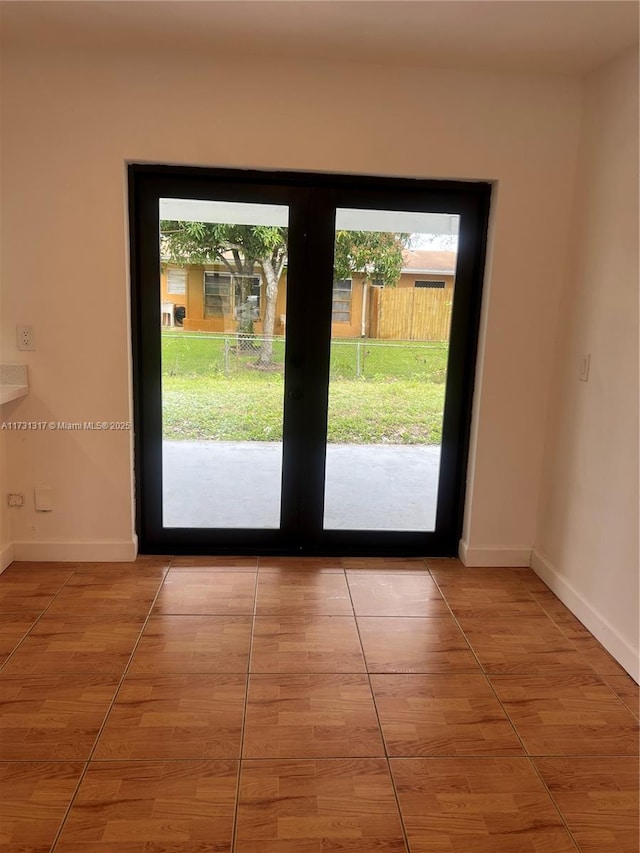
point(72, 121)
point(587, 538)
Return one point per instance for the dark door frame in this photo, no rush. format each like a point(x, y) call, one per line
point(312, 200)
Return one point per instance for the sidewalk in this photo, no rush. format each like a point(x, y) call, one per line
point(237, 484)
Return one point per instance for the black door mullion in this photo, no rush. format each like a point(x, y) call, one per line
point(294, 452)
point(309, 294)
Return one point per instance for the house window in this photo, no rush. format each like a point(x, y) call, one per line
point(341, 304)
point(223, 294)
point(217, 294)
point(438, 284)
point(251, 285)
point(176, 281)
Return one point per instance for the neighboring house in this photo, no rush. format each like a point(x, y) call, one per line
point(206, 298)
point(424, 268)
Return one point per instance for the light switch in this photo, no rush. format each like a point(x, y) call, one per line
point(44, 499)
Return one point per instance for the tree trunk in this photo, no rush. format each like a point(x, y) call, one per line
point(265, 358)
point(245, 320)
point(243, 308)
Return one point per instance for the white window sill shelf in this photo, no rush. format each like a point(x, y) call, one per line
point(14, 382)
point(12, 392)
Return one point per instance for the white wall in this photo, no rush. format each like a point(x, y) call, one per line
point(71, 122)
point(587, 539)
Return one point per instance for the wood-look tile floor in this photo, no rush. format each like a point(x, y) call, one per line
point(245, 705)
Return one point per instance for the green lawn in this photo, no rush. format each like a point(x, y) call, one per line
point(398, 397)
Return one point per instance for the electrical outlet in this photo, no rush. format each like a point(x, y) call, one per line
point(15, 499)
point(26, 338)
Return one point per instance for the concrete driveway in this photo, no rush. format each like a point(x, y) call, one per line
point(237, 484)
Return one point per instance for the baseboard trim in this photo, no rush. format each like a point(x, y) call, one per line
point(600, 627)
point(76, 551)
point(499, 557)
point(6, 556)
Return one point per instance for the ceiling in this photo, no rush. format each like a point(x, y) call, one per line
point(565, 36)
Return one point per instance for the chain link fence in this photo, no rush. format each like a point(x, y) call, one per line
point(199, 354)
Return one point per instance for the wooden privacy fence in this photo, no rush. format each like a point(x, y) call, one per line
point(410, 313)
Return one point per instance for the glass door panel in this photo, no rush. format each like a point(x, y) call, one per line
point(223, 325)
point(394, 281)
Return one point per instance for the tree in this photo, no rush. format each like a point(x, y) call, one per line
point(377, 254)
point(240, 248)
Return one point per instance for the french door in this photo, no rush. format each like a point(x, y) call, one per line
point(304, 351)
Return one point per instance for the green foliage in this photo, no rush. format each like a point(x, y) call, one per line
point(377, 254)
point(209, 242)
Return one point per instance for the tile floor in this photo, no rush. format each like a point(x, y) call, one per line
point(307, 706)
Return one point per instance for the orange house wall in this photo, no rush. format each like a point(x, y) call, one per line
point(193, 301)
point(409, 279)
